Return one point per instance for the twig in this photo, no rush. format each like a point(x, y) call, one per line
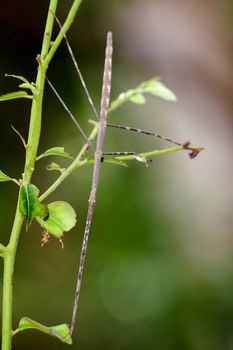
point(96, 171)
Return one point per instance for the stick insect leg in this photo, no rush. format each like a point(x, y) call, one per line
point(137, 156)
point(145, 132)
point(70, 114)
point(78, 71)
point(185, 145)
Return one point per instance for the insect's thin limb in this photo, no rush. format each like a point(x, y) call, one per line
point(120, 154)
point(186, 145)
point(137, 156)
point(70, 114)
point(96, 170)
point(145, 132)
point(79, 72)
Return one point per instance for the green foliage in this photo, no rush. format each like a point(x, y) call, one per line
point(60, 332)
point(14, 95)
point(153, 86)
point(25, 84)
point(54, 151)
point(55, 167)
point(29, 204)
point(61, 218)
point(19, 77)
point(4, 177)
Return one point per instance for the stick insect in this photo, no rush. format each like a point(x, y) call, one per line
point(187, 145)
point(98, 152)
point(96, 170)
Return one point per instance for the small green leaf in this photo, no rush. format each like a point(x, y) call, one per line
point(29, 204)
point(20, 136)
point(54, 166)
point(61, 331)
point(152, 86)
point(25, 84)
point(61, 218)
point(19, 77)
point(4, 177)
point(29, 87)
point(157, 88)
point(14, 95)
point(138, 99)
point(54, 151)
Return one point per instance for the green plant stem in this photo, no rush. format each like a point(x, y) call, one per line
point(31, 150)
point(78, 162)
point(9, 260)
point(36, 110)
point(63, 30)
point(2, 250)
point(157, 153)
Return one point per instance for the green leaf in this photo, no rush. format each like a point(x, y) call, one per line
point(138, 99)
point(61, 218)
point(19, 77)
point(153, 86)
point(4, 177)
point(15, 95)
point(54, 166)
point(29, 204)
point(20, 136)
point(54, 151)
point(157, 88)
point(28, 86)
point(61, 331)
point(25, 84)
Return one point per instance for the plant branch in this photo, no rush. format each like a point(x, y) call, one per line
point(9, 260)
point(157, 153)
point(31, 150)
point(63, 30)
point(36, 110)
point(78, 163)
point(72, 166)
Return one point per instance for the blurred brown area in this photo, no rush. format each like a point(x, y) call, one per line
point(159, 266)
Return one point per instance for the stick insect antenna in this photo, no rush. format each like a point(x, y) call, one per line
point(70, 114)
point(96, 170)
point(78, 71)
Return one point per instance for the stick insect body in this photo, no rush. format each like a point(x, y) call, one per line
point(96, 170)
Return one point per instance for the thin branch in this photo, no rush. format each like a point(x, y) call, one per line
point(63, 31)
point(70, 114)
point(96, 171)
point(79, 72)
point(158, 153)
point(74, 165)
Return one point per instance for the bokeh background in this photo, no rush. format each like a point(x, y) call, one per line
point(159, 271)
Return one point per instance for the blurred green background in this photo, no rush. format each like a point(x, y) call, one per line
point(159, 269)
